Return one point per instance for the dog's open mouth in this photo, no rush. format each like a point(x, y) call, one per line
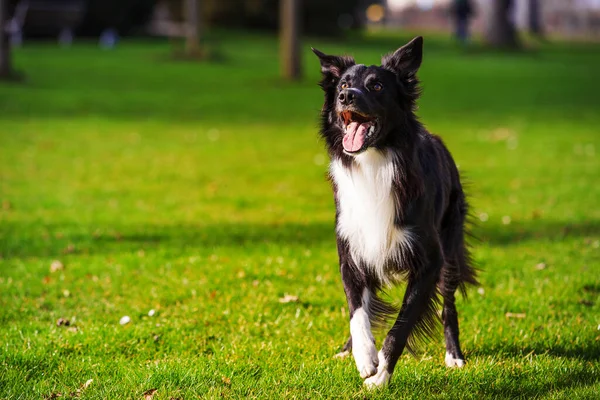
point(357, 127)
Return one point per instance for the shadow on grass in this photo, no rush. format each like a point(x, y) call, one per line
point(17, 241)
point(566, 379)
point(504, 235)
point(59, 240)
point(588, 352)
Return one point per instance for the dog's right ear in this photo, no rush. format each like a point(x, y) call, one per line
point(333, 67)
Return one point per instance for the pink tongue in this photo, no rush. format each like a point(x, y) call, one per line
point(355, 136)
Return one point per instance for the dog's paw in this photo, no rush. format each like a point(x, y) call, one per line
point(381, 377)
point(379, 380)
point(454, 362)
point(366, 359)
point(342, 354)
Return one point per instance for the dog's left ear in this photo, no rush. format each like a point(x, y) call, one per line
point(405, 61)
point(333, 66)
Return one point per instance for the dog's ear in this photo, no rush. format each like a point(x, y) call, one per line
point(333, 66)
point(405, 61)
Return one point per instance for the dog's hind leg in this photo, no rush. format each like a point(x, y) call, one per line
point(346, 350)
point(454, 356)
point(456, 273)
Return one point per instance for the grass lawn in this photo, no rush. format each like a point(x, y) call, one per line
point(198, 191)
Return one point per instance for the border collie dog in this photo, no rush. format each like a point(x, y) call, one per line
point(400, 209)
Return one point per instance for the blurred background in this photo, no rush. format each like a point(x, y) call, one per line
point(166, 220)
point(65, 20)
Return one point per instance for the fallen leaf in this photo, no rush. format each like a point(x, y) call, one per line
point(540, 266)
point(69, 249)
point(515, 315)
point(56, 266)
point(63, 322)
point(53, 396)
point(213, 294)
point(148, 394)
point(288, 298)
point(226, 380)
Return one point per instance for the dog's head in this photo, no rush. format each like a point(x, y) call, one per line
point(364, 104)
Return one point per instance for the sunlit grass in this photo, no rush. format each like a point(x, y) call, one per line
point(199, 191)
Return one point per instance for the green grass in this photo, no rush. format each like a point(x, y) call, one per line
point(199, 191)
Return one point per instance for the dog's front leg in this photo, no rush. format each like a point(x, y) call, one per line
point(418, 310)
point(358, 296)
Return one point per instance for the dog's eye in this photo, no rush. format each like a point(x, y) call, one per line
point(377, 87)
point(344, 86)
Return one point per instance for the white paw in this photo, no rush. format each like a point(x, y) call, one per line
point(454, 362)
point(382, 377)
point(365, 357)
point(363, 344)
point(342, 354)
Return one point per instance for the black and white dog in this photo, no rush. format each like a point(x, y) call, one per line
point(400, 208)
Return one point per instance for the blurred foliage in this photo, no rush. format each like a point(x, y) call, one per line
point(124, 15)
point(319, 17)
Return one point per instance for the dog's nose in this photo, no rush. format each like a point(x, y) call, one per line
point(346, 97)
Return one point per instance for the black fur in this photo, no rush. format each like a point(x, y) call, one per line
point(427, 192)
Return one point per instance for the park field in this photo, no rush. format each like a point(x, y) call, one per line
point(192, 198)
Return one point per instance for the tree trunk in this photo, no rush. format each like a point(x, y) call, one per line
point(193, 27)
point(500, 31)
point(289, 39)
point(5, 59)
point(535, 18)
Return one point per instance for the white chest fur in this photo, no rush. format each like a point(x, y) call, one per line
point(367, 210)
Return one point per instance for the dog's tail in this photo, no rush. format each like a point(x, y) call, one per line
point(381, 312)
point(382, 315)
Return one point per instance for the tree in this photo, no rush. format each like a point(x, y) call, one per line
point(535, 19)
point(500, 31)
point(192, 12)
point(289, 39)
point(6, 70)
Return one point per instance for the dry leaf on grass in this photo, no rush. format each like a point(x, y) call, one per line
point(56, 266)
point(288, 298)
point(63, 322)
point(515, 315)
point(148, 394)
point(84, 386)
point(540, 266)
